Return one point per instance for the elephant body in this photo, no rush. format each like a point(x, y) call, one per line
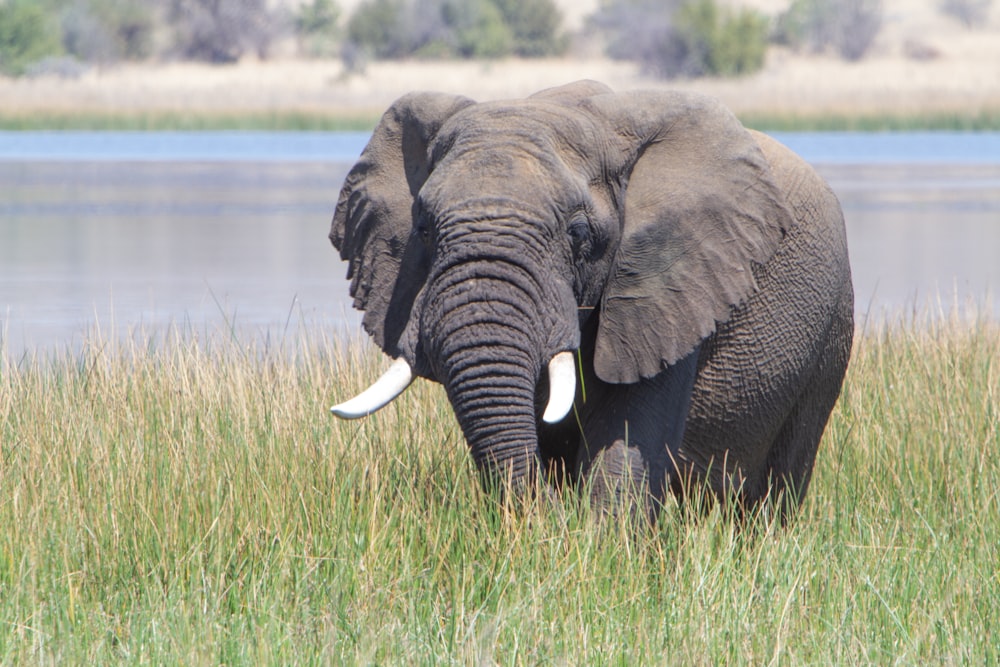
point(696, 271)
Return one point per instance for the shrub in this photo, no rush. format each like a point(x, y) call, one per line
point(692, 38)
point(719, 42)
point(860, 22)
point(380, 28)
point(105, 31)
point(534, 25)
point(222, 31)
point(27, 35)
point(849, 27)
point(635, 29)
point(476, 27)
point(971, 13)
point(454, 28)
point(316, 27)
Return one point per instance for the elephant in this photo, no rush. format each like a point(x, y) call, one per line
point(628, 292)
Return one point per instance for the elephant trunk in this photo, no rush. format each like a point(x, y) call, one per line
point(490, 328)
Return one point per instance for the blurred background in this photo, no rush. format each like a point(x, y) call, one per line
point(174, 164)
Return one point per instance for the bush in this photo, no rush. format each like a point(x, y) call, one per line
point(389, 29)
point(222, 31)
point(380, 28)
point(635, 29)
point(849, 27)
point(971, 13)
point(720, 42)
point(692, 38)
point(27, 35)
point(534, 25)
point(476, 29)
point(104, 31)
point(316, 27)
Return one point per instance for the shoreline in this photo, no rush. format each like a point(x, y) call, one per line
point(350, 121)
point(887, 91)
point(925, 70)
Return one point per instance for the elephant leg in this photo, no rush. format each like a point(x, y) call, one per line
point(630, 437)
point(790, 461)
point(618, 478)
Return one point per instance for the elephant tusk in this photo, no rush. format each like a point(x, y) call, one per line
point(562, 387)
point(392, 383)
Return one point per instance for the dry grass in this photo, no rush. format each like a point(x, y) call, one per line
point(960, 79)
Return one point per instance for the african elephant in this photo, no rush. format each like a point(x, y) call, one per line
point(628, 287)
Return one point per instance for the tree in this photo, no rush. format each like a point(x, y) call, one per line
point(690, 38)
point(222, 31)
point(534, 25)
point(27, 34)
point(455, 28)
point(316, 27)
point(105, 31)
point(848, 27)
point(380, 27)
point(971, 13)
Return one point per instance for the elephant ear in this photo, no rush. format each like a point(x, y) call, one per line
point(373, 222)
point(700, 208)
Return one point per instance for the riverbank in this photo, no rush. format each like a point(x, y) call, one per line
point(958, 89)
point(924, 71)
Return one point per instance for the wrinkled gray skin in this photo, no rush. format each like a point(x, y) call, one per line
point(700, 269)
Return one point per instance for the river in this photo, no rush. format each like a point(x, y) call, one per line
point(132, 233)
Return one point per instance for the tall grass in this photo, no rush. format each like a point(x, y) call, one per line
point(290, 121)
point(987, 120)
point(191, 501)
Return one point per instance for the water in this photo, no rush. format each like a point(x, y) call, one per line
point(134, 232)
point(818, 147)
point(236, 146)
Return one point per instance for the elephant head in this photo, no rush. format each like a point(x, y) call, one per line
point(489, 242)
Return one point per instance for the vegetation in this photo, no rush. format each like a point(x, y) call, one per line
point(972, 13)
point(317, 27)
point(684, 38)
point(975, 121)
point(27, 34)
point(175, 120)
point(848, 27)
point(670, 38)
point(176, 500)
point(107, 31)
point(222, 31)
point(456, 28)
point(103, 32)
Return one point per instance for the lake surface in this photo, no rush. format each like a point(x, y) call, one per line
point(137, 232)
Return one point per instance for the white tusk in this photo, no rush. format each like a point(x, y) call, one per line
point(562, 387)
point(392, 383)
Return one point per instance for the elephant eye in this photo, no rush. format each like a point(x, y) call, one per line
point(579, 234)
point(423, 228)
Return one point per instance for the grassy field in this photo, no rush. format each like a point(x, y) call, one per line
point(192, 502)
point(187, 121)
point(973, 121)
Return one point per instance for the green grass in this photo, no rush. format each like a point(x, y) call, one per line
point(183, 502)
point(985, 120)
point(979, 121)
point(169, 120)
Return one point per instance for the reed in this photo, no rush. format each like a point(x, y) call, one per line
point(365, 120)
point(189, 500)
point(334, 121)
point(984, 120)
